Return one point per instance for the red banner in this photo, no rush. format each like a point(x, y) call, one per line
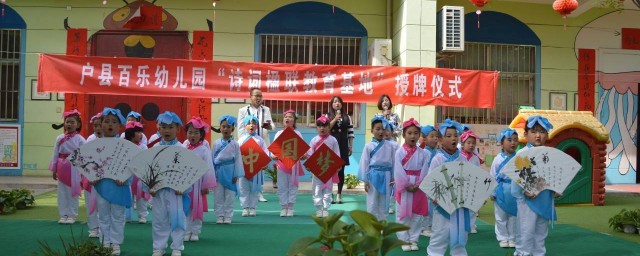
point(586, 79)
point(254, 159)
point(288, 147)
point(324, 163)
point(300, 82)
point(631, 38)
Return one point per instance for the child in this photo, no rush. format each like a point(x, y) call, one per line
point(447, 230)
point(322, 191)
point(68, 178)
point(227, 163)
point(468, 141)
point(250, 188)
point(113, 195)
point(534, 211)
point(196, 130)
point(504, 203)
point(428, 142)
point(389, 132)
point(375, 169)
point(288, 177)
point(410, 166)
point(169, 206)
point(135, 117)
point(89, 191)
point(133, 132)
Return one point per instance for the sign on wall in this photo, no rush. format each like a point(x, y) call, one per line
point(10, 147)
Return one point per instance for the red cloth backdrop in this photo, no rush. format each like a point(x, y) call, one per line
point(300, 82)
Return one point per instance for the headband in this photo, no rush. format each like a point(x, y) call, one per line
point(532, 120)
point(198, 123)
point(231, 121)
point(169, 117)
point(115, 112)
point(506, 133)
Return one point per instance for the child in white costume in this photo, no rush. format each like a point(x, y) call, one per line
point(428, 142)
point(448, 230)
point(170, 207)
point(468, 141)
point(135, 117)
point(505, 206)
point(410, 166)
point(250, 189)
point(389, 132)
point(227, 163)
point(91, 204)
point(534, 211)
point(113, 196)
point(196, 130)
point(288, 178)
point(133, 132)
point(68, 178)
point(322, 191)
point(376, 164)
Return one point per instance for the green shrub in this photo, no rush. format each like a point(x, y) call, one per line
point(351, 181)
point(10, 201)
point(76, 247)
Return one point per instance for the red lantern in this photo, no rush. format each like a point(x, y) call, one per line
point(479, 4)
point(565, 7)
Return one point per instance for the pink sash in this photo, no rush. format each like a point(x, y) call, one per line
point(294, 178)
point(334, 178)
point(415, 202)
point(67, 175)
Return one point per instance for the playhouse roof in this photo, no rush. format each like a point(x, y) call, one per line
point(562, 120)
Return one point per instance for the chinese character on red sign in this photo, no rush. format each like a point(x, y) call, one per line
point(288, 147)
point(254, 159)
point(324, 163)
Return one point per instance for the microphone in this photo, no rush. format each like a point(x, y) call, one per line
point(338, 112)
point(384, 111)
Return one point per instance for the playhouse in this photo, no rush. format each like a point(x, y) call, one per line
point(582, 136)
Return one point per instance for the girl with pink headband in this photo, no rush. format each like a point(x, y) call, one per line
point(89, 191)
point(134, 132)
point(468, 141)
point(410, 166)
point(288, 178)
point(322, 191)
point(68, 178)
point(196, 130)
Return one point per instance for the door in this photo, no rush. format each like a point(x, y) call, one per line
point(579, 190)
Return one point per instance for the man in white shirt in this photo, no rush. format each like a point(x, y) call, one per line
point(264, 117)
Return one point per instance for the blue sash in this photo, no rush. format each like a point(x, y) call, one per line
point(225, 172)
point(380, 144)
point(543, 205)
point(378, 177)
point(110, 191)
point(460, 219)
point(504, 199)
point(433, 152)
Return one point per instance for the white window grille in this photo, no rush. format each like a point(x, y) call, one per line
point(516, 86)
point(9, 74)
point(300, 49)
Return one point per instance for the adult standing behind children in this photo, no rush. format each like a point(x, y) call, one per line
point(342, 129)
point(385, 105)
point(263, 113)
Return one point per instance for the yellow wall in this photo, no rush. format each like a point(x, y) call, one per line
point(234, 40)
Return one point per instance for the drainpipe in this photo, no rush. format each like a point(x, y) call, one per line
point(389, 6)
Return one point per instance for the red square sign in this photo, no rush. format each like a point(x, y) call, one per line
point(324, 163)
point(253, 158)
point(289, 147)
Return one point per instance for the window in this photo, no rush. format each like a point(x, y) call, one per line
point(516, 86)
point(328, 50)
point(9, 74)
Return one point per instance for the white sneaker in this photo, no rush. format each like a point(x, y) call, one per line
point(262, 199)
point(391, 210)
point(94, 233)
point(426, 233)
point(474, 230)
point(319, 213)
point(220, 220)
point(70, 220)
point(176, 253)
point(283, 212)
point(157, 252)
point(504, 244)
point(290, 212)
point(325, 213)
point(63, 220)
point(252, 212)
point(227, 220)
point(512, 244)
point(245, 212)
point(142, 220)
point(115, 249)
point(414, 246)
point(194, 237)
point(187, 237)
point(406, 248)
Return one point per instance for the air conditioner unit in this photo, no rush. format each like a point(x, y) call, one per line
point(450, 29)
point(379, 53)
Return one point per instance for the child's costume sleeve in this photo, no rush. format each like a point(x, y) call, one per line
point(363, 169)
point(54, 157)
point(209, 178)
point(239, 167)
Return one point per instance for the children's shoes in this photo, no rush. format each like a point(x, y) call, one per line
point(512, 244)
point(220, 220)
point(325, 213)
point(63, 220)
point(176, 253)
point(70, 220)
point(157, 252)
point(414, 246)
point(406, 248)
point(290, 212)
point(227, 220)
point(115, 249)
point(426, 233)
point(187, 237)
point(194, 238)
point(142, 220)
point(245, 212)
point(283, 212)
point(94, 233)
point(252, 212)
point(504, 244)
point(319, 213)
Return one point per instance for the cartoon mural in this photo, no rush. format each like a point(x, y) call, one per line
point(617, 80)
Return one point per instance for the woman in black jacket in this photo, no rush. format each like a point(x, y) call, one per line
point(342, 129)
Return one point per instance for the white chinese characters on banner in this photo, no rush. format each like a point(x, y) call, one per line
point(168, 167)
point(457, 184)
point(143, 76)
point(104, 158)
point(538, 168)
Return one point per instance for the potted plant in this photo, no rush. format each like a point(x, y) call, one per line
point(272, 173)
point(625, 221)
point(351, 181)
point(367, 236)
